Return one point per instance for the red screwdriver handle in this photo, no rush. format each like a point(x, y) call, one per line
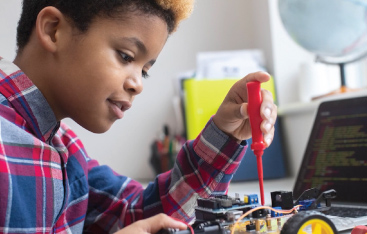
point(254, 101)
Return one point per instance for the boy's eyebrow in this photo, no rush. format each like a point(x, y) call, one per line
point(140, 45)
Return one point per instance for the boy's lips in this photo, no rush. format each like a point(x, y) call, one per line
point(119, 107)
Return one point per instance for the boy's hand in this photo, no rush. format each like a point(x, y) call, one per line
point(152, 225)
point(232, 117)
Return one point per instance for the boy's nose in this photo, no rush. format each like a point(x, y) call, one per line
point(134, 84)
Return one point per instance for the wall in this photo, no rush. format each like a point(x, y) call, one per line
point(9, 15)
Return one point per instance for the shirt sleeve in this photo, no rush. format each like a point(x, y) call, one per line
point(204, 167)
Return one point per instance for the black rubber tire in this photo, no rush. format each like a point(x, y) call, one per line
point(294, 223)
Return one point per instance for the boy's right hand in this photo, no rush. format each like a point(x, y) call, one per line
point(153, 225)
point(232, 117)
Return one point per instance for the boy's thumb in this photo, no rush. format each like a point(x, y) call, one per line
point(162, 221)
point(243, 114)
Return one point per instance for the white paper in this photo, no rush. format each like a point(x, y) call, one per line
point(229, 64)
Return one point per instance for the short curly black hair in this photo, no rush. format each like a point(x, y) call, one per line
point(83, 12)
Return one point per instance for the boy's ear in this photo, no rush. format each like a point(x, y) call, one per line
point(49, 25)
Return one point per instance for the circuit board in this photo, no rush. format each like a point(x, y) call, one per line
point(228, 215)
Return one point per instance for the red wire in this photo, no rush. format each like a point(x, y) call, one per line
point(192, 230)
point(188, 225)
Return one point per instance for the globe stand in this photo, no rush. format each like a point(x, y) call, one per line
point(343, 86)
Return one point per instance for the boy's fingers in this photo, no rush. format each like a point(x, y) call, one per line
point(161, 221)
point(233, 112)
point(269, 115)
point(268, 108)
point(268, 138)
point(258, 76)
point(239, 90)
point(267, 96)
point(243, 114)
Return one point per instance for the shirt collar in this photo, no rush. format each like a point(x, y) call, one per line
point(27, 100)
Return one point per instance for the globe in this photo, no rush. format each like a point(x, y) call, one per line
point(335, 30)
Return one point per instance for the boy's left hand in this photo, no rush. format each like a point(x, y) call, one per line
point(232, 117)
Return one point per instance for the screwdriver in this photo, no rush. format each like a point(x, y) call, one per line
point(254, 101)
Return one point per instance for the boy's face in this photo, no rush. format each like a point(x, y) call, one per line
point(99, 73)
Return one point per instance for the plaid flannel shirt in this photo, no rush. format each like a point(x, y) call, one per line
point(48, 183)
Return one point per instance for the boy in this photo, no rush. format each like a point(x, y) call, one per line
point(68, 50)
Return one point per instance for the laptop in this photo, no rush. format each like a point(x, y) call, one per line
point(336, 158)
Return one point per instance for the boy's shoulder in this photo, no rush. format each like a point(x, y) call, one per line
point(13, 128)
point(17, 140)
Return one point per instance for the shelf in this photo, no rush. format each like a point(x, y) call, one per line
point(307, 107)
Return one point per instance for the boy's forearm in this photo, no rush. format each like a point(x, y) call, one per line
point(204, 167)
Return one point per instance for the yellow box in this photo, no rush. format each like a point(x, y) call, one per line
point(202, 99)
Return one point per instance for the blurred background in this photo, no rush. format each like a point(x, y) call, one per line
point(215, 25)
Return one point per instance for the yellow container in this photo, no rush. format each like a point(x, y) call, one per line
point(202, 99)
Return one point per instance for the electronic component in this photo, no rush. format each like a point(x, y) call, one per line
point(275, 213)
point(259, 213)
point(233, 215)
point(306, 204)
point(216, 208)
point(251, 199)
point(251, 226)
point(284, 199)
point(312, 198)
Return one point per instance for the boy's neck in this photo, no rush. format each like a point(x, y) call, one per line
point(37, 66)
point(31, 63)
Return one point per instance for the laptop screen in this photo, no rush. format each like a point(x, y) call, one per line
point(336, 153)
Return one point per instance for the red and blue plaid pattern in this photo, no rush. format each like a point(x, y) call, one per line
point(48, 184)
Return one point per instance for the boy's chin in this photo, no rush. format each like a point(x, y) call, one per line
point(97, 127)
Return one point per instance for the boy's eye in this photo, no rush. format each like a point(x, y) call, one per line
point(126, 57)
point(144, 74)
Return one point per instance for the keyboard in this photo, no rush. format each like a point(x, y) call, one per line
point(349, 212)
